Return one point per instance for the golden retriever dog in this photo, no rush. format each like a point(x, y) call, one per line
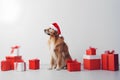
point(58, 49)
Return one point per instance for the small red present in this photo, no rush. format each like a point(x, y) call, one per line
point(73, 66)
point(5, 66)
point(91, 51)
point(110, 61)
point(113, 63)
point(34, 64)
point(91, 62)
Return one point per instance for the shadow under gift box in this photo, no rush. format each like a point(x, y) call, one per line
point(5, 65)
point(91, 62)
point(73, 65)
point(12, 59)
point(34, 64)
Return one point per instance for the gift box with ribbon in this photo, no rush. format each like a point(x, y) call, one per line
point(91, 51)
point(91, 62)
point(73, 65)
point(34, 64)
point(110, 61)
point(5, 65)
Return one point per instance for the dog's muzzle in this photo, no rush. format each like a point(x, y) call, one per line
point(46, 32)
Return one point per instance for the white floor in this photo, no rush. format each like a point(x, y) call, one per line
point(45, 74)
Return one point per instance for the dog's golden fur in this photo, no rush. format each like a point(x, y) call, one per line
point(58, 49)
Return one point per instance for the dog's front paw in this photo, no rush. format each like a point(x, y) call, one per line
point(58, 68)
point(50, 68)
point(64, 67)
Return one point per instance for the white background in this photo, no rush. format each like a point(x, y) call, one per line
point(83, 23)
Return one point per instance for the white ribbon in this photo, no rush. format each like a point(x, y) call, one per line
point(20, 66)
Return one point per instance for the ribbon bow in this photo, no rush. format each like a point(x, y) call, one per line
point(110, 52)
point(15, 47)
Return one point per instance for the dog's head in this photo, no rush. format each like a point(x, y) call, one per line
point(51, 32)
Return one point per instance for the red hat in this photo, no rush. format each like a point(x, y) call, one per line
point(56, 27)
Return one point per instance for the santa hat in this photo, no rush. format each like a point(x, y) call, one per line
point(56, 27)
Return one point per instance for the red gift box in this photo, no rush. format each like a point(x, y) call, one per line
point(34, 64)
point(110, 61)
point(91, 62)
point(91, 51)
point(13, 59)
point(73, 65)
point(5, 66)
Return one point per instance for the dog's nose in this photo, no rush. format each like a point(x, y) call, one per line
point(44, 30)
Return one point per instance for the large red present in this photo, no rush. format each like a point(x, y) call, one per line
point(34, 64)
point(13, 59)
point(91, 51)
point(73, 65)
point(91, 62)
point(5, 66)
point(110, 61)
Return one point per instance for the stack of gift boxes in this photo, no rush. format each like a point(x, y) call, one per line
point(110, 61)
point(91, 61)
point(15, 62)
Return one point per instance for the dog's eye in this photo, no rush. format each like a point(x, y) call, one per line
point(50, 30)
